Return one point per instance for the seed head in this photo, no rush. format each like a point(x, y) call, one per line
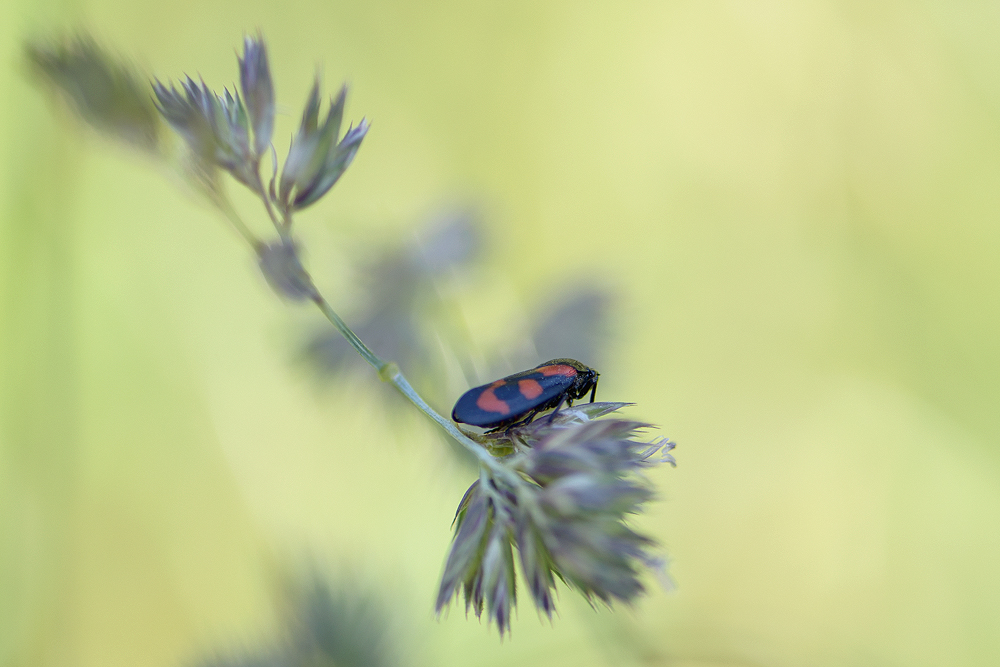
point(581, 479)
point(215, 127)
point(316, 160)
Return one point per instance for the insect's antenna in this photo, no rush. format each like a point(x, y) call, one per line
point(593, 392)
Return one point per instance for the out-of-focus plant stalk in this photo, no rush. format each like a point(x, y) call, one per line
point(221, 201)
point(281, 227)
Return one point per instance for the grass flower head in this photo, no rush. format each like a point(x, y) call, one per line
point(582, 477)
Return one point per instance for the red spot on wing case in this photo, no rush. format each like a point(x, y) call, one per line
point(529, 388)
point(489, 402)
point(558, 369)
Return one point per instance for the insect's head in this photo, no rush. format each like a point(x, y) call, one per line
point(585, 381)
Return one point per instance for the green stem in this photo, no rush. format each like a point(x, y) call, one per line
point(389, 372)
point(346, 332)
point(264, 197)
point(400, 382)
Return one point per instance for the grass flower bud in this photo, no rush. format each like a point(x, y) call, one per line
point(215, 127)
point(316, 160)
point(258, 91)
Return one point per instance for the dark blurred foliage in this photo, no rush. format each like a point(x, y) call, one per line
point(575, 324)
point(326, 624)
point(407, 321)
point(107, 92)
point(400, 286)
point(281, 266)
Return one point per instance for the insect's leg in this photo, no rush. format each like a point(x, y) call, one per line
point(593, 392)
point(559, 405)
point(520, 422)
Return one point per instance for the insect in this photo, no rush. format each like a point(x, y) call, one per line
point(519, 398)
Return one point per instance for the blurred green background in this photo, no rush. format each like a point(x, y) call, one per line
point(795, 203)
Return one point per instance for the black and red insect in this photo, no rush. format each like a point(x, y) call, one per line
point(519, 398)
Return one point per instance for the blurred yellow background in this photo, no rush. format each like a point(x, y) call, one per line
point(796, 203)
